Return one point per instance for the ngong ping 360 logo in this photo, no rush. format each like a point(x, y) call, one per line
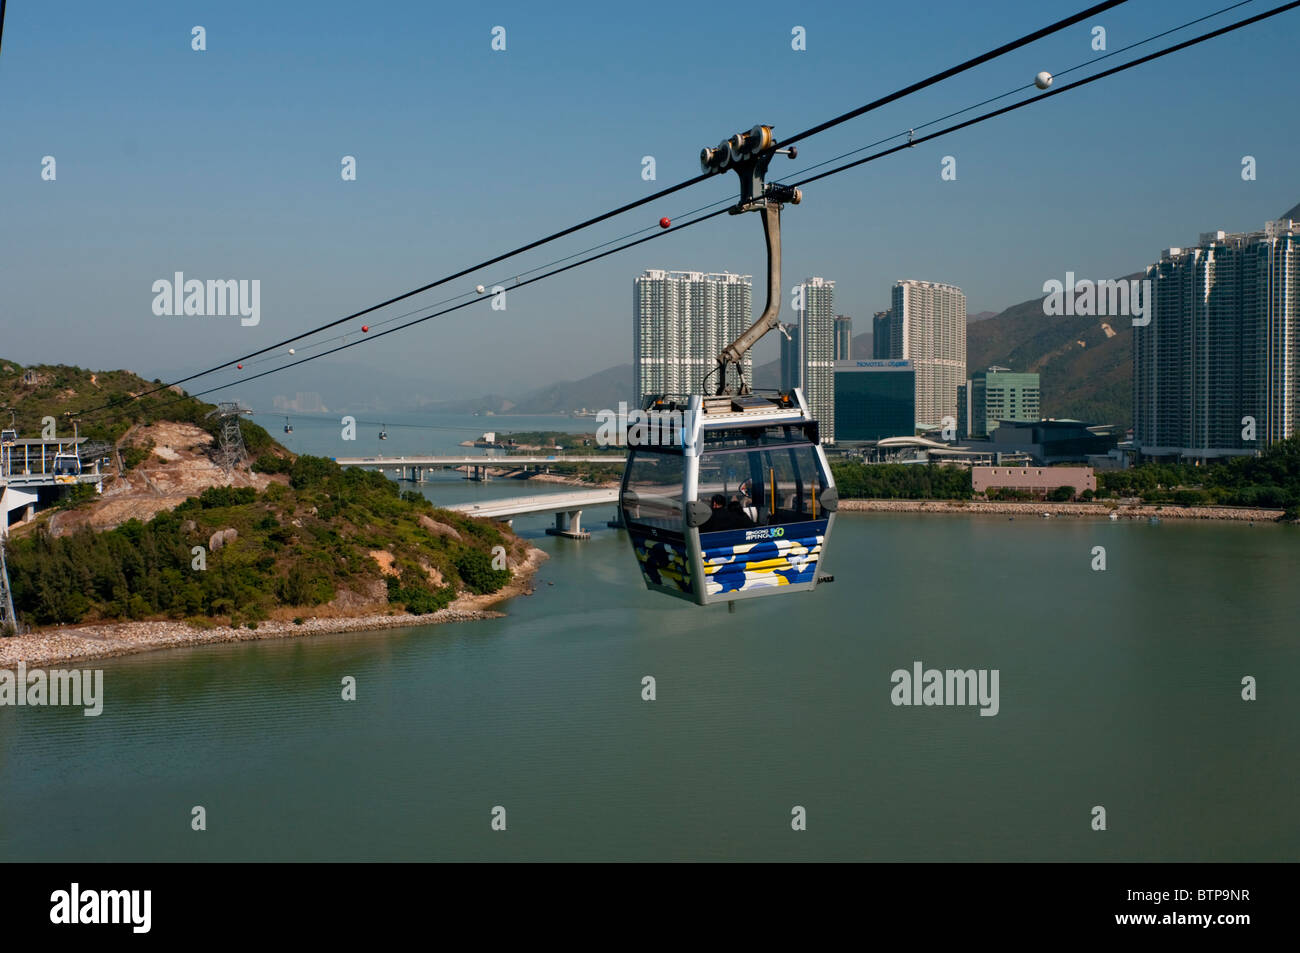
point(635, 427)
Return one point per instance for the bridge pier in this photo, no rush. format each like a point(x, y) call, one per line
point(569, 525)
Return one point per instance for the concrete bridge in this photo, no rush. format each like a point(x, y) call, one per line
point(476, 467)
point(567, 508)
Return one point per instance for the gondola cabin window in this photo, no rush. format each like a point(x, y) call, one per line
point(760, 487)
point(652, 499)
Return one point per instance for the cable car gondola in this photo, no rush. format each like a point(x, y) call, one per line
point(741, 505)
point(288, 427)
point(383, 433)
point(10, 434)
point(729, 496)
point(67, 466)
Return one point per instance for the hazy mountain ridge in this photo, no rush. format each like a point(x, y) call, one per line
point(598, 391)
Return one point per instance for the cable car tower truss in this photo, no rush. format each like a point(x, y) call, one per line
point(9, 624)
point(230, 444)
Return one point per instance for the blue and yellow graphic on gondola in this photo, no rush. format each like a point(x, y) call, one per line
point(664, 563)
point(763, 557)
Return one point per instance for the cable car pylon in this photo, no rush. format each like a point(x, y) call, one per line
point(231, 452)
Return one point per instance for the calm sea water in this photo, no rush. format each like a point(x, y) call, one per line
point(408, 434)
point(1119, 688)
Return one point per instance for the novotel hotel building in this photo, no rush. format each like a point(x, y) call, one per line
point(874, 400)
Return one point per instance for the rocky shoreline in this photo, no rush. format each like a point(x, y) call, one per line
point(75, 644)
point(1124, 511)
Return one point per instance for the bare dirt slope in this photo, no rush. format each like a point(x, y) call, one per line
point(180, 465)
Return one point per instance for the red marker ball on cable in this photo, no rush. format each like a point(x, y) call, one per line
point(665, 222)
point(239, 367)
point(365, 327)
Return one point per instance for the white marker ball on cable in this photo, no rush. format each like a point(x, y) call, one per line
point(1043, 80)
point(480, 289)
point(292, 351)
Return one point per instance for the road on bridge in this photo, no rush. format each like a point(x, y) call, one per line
point(483, 461)
point(547, 503)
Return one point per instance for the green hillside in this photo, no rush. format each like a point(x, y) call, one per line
point(1085, 363)
point(58, 390)
point(321, 535)
point(292, 547)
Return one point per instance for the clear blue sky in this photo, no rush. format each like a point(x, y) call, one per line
point(225, 164)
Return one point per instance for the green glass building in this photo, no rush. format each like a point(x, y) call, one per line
point(999, 394)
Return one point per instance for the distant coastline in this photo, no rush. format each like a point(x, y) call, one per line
point(1124, 511)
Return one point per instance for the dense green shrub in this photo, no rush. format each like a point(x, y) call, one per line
point(1271, 479)
point(419, 599)
point(312, 472)
point(132, 457)
point(306, 587)
point(271, 463)
point(474, 566)
point(219, 496)
point(896, 481)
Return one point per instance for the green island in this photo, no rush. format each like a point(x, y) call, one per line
point(314, 539)
point(293, 546)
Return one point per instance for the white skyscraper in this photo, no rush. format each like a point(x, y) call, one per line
point(817, 351)
point(1216, 366)
point(928, 327)
point(681, 322)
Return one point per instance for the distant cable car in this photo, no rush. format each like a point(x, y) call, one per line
point(288, 427)
point(730, 496)
point(67, 467)
point(383, 432)
point(10, 433)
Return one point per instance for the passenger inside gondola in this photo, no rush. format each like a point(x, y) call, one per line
point(737, 509)
point(725, 515)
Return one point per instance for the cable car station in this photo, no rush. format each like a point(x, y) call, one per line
point(34, 472)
